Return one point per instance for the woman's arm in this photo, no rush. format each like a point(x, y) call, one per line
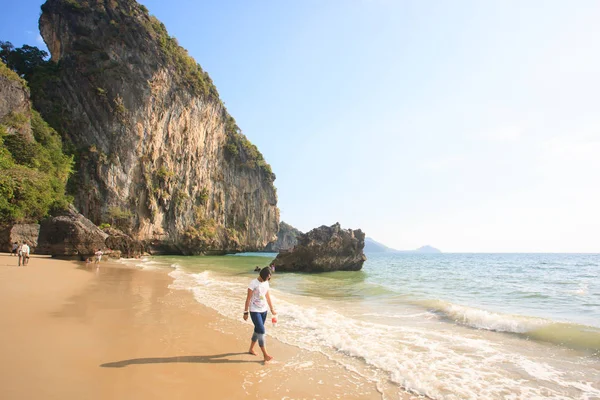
point(268, 296)
point(247, 305)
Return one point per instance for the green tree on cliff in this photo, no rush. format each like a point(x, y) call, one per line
point(23, 60)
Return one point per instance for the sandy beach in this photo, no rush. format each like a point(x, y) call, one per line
point(73, 331)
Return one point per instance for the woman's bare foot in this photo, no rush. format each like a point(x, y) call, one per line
point(268, 358)
point(253, 352)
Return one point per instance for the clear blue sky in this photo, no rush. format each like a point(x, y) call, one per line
point(466, 125)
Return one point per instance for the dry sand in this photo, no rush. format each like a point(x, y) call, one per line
point(74, 331)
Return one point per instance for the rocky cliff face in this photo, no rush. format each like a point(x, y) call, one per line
point(159, 156)
point(15, 106)
point(325, 249)
point(287, 238)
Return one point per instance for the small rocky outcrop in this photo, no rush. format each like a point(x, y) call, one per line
point(287, 238)
point(19, 233)
point(325, 249)
point(70, 234)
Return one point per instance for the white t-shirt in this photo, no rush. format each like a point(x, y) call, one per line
point(25, 249)
point(258, 301)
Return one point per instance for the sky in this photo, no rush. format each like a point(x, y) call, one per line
point(471, 126)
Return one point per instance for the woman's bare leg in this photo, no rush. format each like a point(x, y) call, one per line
point(265, 354)
point(252, 351)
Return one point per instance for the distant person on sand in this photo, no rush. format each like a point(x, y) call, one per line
point(98, 255)
point(15, 246)
point(257, 269)
point(258, 301)
point(24, 254)
point(20, 254)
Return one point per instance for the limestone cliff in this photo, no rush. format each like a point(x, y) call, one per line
point(287, 238)
point(158, 154)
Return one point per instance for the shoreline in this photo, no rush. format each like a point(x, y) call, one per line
point(77, 331)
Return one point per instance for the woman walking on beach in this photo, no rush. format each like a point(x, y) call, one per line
point(258, 301)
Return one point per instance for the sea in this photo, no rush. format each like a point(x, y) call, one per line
point(441, 326)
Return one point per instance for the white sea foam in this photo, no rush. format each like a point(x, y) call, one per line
point(482, 319)
point(143, 263)
point(442, 362)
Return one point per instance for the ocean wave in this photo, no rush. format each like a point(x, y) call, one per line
point(145, 263)
point(425, 315)
point(186, 281)
point(535, 296)
point(575, 336)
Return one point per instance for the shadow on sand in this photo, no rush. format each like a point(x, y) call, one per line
point(214, 359)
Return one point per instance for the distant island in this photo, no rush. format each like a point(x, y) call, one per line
point(423, 249)
point(373, 246)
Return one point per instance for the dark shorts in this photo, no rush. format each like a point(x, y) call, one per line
point(258, 319)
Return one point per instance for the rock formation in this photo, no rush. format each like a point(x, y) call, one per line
point(325, 249)
point(287, 238)
point(70, 234)
point(158, 154)
point(19, 233)
point(123, 243)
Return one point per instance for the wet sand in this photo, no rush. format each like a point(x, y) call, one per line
point(74, 331)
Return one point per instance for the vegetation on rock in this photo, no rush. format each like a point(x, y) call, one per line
point(33, 173)
point(243, 152)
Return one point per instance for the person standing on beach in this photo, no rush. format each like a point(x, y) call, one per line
point(98, 255)
point(258, 301)
point(15, 246)
point(24, 254)
point(20, 254)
